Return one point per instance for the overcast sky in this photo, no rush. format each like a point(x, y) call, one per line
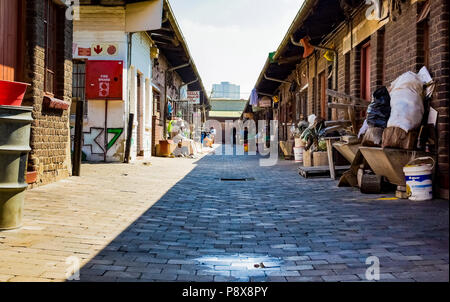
point(230, 39)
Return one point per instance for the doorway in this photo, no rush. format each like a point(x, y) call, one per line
point(12, 40)
point(323, 95)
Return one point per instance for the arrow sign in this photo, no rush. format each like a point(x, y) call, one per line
point(98, 49)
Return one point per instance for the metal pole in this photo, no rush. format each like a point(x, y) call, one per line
point(78, 139)
point(129, 135)
point(106, 130)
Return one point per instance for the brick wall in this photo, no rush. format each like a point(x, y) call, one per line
point(396, 48)
point(377, 60)
point(50, 137)
point(401, 40)
point(440, 71)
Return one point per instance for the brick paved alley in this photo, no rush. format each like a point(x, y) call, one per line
point(175, 220)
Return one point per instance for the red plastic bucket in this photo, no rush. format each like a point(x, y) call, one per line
point(12, 93)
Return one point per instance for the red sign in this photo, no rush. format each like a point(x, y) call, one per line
point(84, 52)
point(98, 49)
point(104, 80)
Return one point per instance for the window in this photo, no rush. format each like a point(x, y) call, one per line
point(323, 95)
point(365, 72)
point(79, 85)
point(50, 36)
point(156, 102)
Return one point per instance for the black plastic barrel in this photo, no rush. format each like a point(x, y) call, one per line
point(15, 128)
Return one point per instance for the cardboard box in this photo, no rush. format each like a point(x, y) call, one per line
point(394, 137)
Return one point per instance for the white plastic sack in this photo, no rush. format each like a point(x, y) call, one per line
point(311, 119)
point(363, 129)
point(406, 102)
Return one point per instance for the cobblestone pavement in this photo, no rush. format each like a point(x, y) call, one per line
point(175, 220)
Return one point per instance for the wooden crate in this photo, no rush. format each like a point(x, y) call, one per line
point(307, 159)
point(320, 159)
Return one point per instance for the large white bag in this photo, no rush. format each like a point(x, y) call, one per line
point(407, 107)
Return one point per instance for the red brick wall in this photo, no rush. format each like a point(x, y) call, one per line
point(50, 136)
point(377, 48)
point(395, 49)
point(440, 70)
point(157, 133)
point(401, 40)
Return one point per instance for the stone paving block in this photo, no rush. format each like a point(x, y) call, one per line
point(29, 279)
point(120, 274)
point(109, 267)
point(341, 278)
point(310, 273)
point(160, 277)
point(196, 278)
point(314, 232)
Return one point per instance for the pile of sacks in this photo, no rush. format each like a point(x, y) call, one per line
point(395, 114)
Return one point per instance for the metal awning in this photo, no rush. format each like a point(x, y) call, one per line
point(316, 19)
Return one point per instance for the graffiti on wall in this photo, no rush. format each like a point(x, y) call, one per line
point(117, 133)
point(96, 141)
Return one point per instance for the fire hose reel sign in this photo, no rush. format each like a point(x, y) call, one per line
point(104, 80)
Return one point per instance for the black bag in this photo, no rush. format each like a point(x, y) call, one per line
point(379, 109)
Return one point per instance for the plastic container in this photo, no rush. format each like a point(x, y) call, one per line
point(298, 154)
point(419, 184)
point(12, 93)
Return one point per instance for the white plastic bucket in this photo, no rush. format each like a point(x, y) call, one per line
point(298, 154)
point(299, 143)
point(419, 185)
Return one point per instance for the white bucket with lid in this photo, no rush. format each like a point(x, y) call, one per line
point(419, 185)
point(298, 154)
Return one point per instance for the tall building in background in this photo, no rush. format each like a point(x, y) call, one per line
point(226, 90)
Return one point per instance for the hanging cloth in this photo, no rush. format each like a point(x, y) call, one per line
point(254, 98)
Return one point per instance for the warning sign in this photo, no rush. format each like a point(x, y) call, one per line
point(193, 97)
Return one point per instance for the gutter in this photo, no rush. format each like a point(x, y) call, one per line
point(275, 80)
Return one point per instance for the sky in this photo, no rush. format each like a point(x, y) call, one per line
point(230, 40)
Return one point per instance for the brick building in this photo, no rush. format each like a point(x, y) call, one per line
point(372, 50)
point(174, 73)
point(36, 48)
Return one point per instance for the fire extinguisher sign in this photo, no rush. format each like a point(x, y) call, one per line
point(103, 85)
point(104, 80)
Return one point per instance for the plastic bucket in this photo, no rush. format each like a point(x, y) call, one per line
point(12, 93)
point(298, 154)
point(419, 184)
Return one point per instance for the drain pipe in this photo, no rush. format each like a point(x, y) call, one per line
point(335, 61)
point(195, 81)
point(179, 67)
point(130, 114)
point(275, 80)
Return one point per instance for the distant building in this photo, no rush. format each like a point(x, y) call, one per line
point(226, 90)
point(223, 110)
